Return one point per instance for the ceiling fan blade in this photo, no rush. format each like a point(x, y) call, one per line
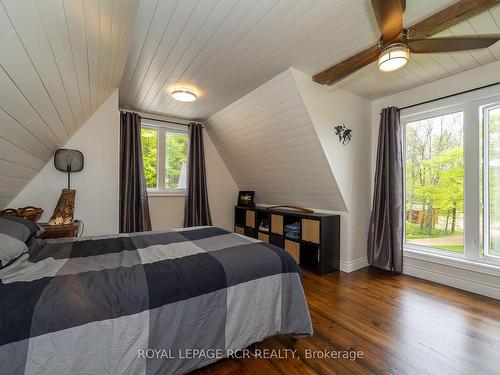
point(389, 15)
point(436, 45)
point(450, 16)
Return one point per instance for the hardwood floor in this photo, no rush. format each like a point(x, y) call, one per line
point(403, 325)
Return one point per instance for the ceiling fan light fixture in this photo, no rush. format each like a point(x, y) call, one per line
point(184, 94)
point(393, 57)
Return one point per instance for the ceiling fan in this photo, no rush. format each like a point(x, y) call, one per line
point(393, 50)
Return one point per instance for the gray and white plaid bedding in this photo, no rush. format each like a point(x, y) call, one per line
point(96, 305)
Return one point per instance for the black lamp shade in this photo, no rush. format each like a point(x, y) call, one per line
point(67, 160)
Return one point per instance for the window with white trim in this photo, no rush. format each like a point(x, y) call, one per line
point(165, 156)
point(452, 177)
point(434, 176)
point(490, 173)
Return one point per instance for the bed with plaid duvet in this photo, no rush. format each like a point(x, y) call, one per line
point(145, 303)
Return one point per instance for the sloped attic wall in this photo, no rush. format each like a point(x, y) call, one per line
point(96, 185)
point(269, 145)
point(59, 62)
point(279, 141)
point(329, 106)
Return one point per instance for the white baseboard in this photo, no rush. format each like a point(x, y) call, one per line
point(469, 280)
point(353, 265)
point(453, 280)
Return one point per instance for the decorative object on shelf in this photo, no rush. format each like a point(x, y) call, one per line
point(264, 225)
point(302, 209)
point(68, 161)
point(292, 230)
point(29, 212)
point(246, 198)
point(63, 213)
point(344, 134)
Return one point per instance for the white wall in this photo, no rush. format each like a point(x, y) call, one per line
point(424, 266)
point(96, 185)
point(329, 106)
point(167, 212)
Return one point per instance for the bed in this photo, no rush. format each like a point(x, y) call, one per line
point(145, 303)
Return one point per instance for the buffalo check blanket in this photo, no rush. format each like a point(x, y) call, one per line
point(145, 303)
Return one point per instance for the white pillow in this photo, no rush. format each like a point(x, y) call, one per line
point(10, 249)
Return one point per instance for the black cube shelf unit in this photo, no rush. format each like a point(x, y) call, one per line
point(317, 249)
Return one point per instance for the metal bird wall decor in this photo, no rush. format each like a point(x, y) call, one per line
point(344, 134)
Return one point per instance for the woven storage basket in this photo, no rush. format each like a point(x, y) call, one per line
point(29, 212)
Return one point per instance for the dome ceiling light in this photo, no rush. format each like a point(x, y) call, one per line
point(184, 94)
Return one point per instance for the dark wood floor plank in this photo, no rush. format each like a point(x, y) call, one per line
point(289, 366)
point(424, 313)
point(375, 358)
point(403, 325)
point(380, 329)
point(416, 331)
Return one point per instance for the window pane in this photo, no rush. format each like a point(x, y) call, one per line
point(434, 183)
point(149, 142)
point(493, 193)
point(176, 161)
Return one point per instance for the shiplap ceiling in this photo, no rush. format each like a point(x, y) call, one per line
point(269, 144)
point(423, 68)
point(59, 61)
point(226, 48)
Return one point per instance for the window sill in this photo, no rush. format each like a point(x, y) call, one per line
point(181, 193)
point(485, 267)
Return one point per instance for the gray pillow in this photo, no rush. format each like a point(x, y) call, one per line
point(14, 229)
point(20, 228)
point(10, 249)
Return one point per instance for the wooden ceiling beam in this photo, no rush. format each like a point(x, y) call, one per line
point(440, 21)
point(348, 66)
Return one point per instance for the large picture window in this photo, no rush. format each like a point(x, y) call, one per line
point(452, 177)
point(164, 154)
point(435, 182)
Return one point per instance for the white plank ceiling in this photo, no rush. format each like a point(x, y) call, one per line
point(269, 145)
point(226, 48)
point(59, 61)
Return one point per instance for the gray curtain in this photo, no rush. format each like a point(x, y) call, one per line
point(134, 208)
point(197, 211)
point(385, 236)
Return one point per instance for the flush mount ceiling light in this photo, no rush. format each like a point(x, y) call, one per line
point(184, 94)
point(393, 57)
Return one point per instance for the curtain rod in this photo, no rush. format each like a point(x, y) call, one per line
point(450, 96)
point(169, 121)
point(160, 119)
